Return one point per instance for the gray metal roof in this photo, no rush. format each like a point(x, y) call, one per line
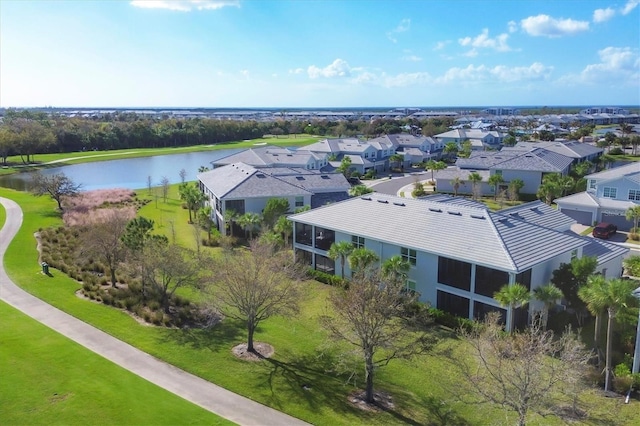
point(603, 251)
point(270, 156)
point(460, 232)
point(541, 214)
point(454, 201)
point(573, 149)
point(617, 172)
point(244, 181)
point(539, 160)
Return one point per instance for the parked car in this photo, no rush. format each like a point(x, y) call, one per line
point(604, 230)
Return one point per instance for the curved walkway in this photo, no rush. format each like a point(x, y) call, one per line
point(220, 401)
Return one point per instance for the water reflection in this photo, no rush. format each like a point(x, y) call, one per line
point(131, 173)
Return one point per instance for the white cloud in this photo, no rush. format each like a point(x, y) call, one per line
point(296, 71)
point(441, 44)
point(484, 41)
point(628, 8)
point(338, 68)
point(411, 58)
point(244, 73)
point(184, 5)
point(621, 64)
point(403, 26)
point(545, 25)
point(471, 54)
point(498, 74)
point(603, 15)
point(513, 26)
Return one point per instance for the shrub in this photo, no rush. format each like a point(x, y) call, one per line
point(616, 151)
point(157, 317)
point(622, 384)
point(326, 278)
point(107, 299)
point(449, 320)
point(634, 236)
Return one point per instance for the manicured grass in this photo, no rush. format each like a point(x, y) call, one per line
point(424, 389)
point(16, 164)
point(626, 157)
point(3, 215)
point(49, 379)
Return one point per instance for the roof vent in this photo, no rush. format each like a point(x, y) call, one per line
point(324, 176)
point(366, 198)
point(431, 209)
point(383, 201)
point(398, 204)
point(455, 213)
point(475, 216)
point(261, 176)
point(300, 177)
point(516, 214)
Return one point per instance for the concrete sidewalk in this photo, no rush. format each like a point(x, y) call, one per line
point(220, 401)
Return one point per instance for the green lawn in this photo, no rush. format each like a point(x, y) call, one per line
point(49, 379)
point(423, 388)
point(16, 165)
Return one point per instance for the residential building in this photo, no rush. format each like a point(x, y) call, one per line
point(364, 155)
point(244, 188)
point(274, 156)
point(480, 139)
point(578, 151)
point(414, 149)
point(529, 166)
point(460, 253)
point(609, 195)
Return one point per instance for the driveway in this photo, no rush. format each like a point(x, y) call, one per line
point(218, 400)
point(393, 185)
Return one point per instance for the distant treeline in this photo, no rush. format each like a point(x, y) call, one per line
point(26, 133)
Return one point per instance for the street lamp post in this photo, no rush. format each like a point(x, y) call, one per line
point(636, 353)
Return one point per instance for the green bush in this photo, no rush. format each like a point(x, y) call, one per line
point(622, 384)
point(449, 320)
point(326, 278)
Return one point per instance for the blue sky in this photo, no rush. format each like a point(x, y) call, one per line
point(317, 53)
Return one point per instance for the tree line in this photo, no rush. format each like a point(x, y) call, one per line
point(26, 133)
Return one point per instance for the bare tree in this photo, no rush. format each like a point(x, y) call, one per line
point(524, 372)
point(167, 267)
point(183, 175)
point(256, 284)
point(371, 315)
point(103, 241)
point(165, 188)
point(56, 186)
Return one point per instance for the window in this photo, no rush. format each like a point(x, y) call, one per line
point(609, 192)
point(358, 242)
point(409, 255)
point(480, 311)
point(498, 172)
point(235, 205)
point(325, 264)
point(574, 254)
point(454, 273)
point(524, 278)
point(592, 184)
point(634, 194)
point(410, 286)
point(299, 201)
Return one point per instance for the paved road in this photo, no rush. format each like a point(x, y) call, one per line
point(392, 186)
point(220, 401)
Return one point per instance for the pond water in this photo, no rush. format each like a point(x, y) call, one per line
point(131, 173)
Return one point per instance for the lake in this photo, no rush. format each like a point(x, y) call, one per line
point(130, 173)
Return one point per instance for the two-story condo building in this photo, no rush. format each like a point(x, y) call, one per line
point(364, 155)
point(609, 195)
point(244, 188)
point(275, 156)
point(460, 253)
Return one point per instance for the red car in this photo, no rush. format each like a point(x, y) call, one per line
point(604, 230)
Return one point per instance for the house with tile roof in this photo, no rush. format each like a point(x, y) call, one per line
point(364, 155)
point(460, 254)
point(274, 156)
point(529, 166)
point(578, 151)
point(609, 195)
point(480, 139)
point(244, 188)
point(414, 149)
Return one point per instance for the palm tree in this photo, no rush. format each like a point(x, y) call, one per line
point(450, 149)
point(284, 227)
point(433, 166)
point(512, 297)
point(396, 269)
point(397, 159)
point(515, 185)
point(590, 295)
point(495, 180)
point(249, 221)
point(549, 295)
point(456, 183)
point(342, 250)
point(230, 216)
point(633, 213)
point(361, 259)
point(613, 295)
point(475, 179)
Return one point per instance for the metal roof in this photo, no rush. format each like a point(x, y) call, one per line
point(460, 232)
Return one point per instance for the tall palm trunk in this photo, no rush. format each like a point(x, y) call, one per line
point(607, 368)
